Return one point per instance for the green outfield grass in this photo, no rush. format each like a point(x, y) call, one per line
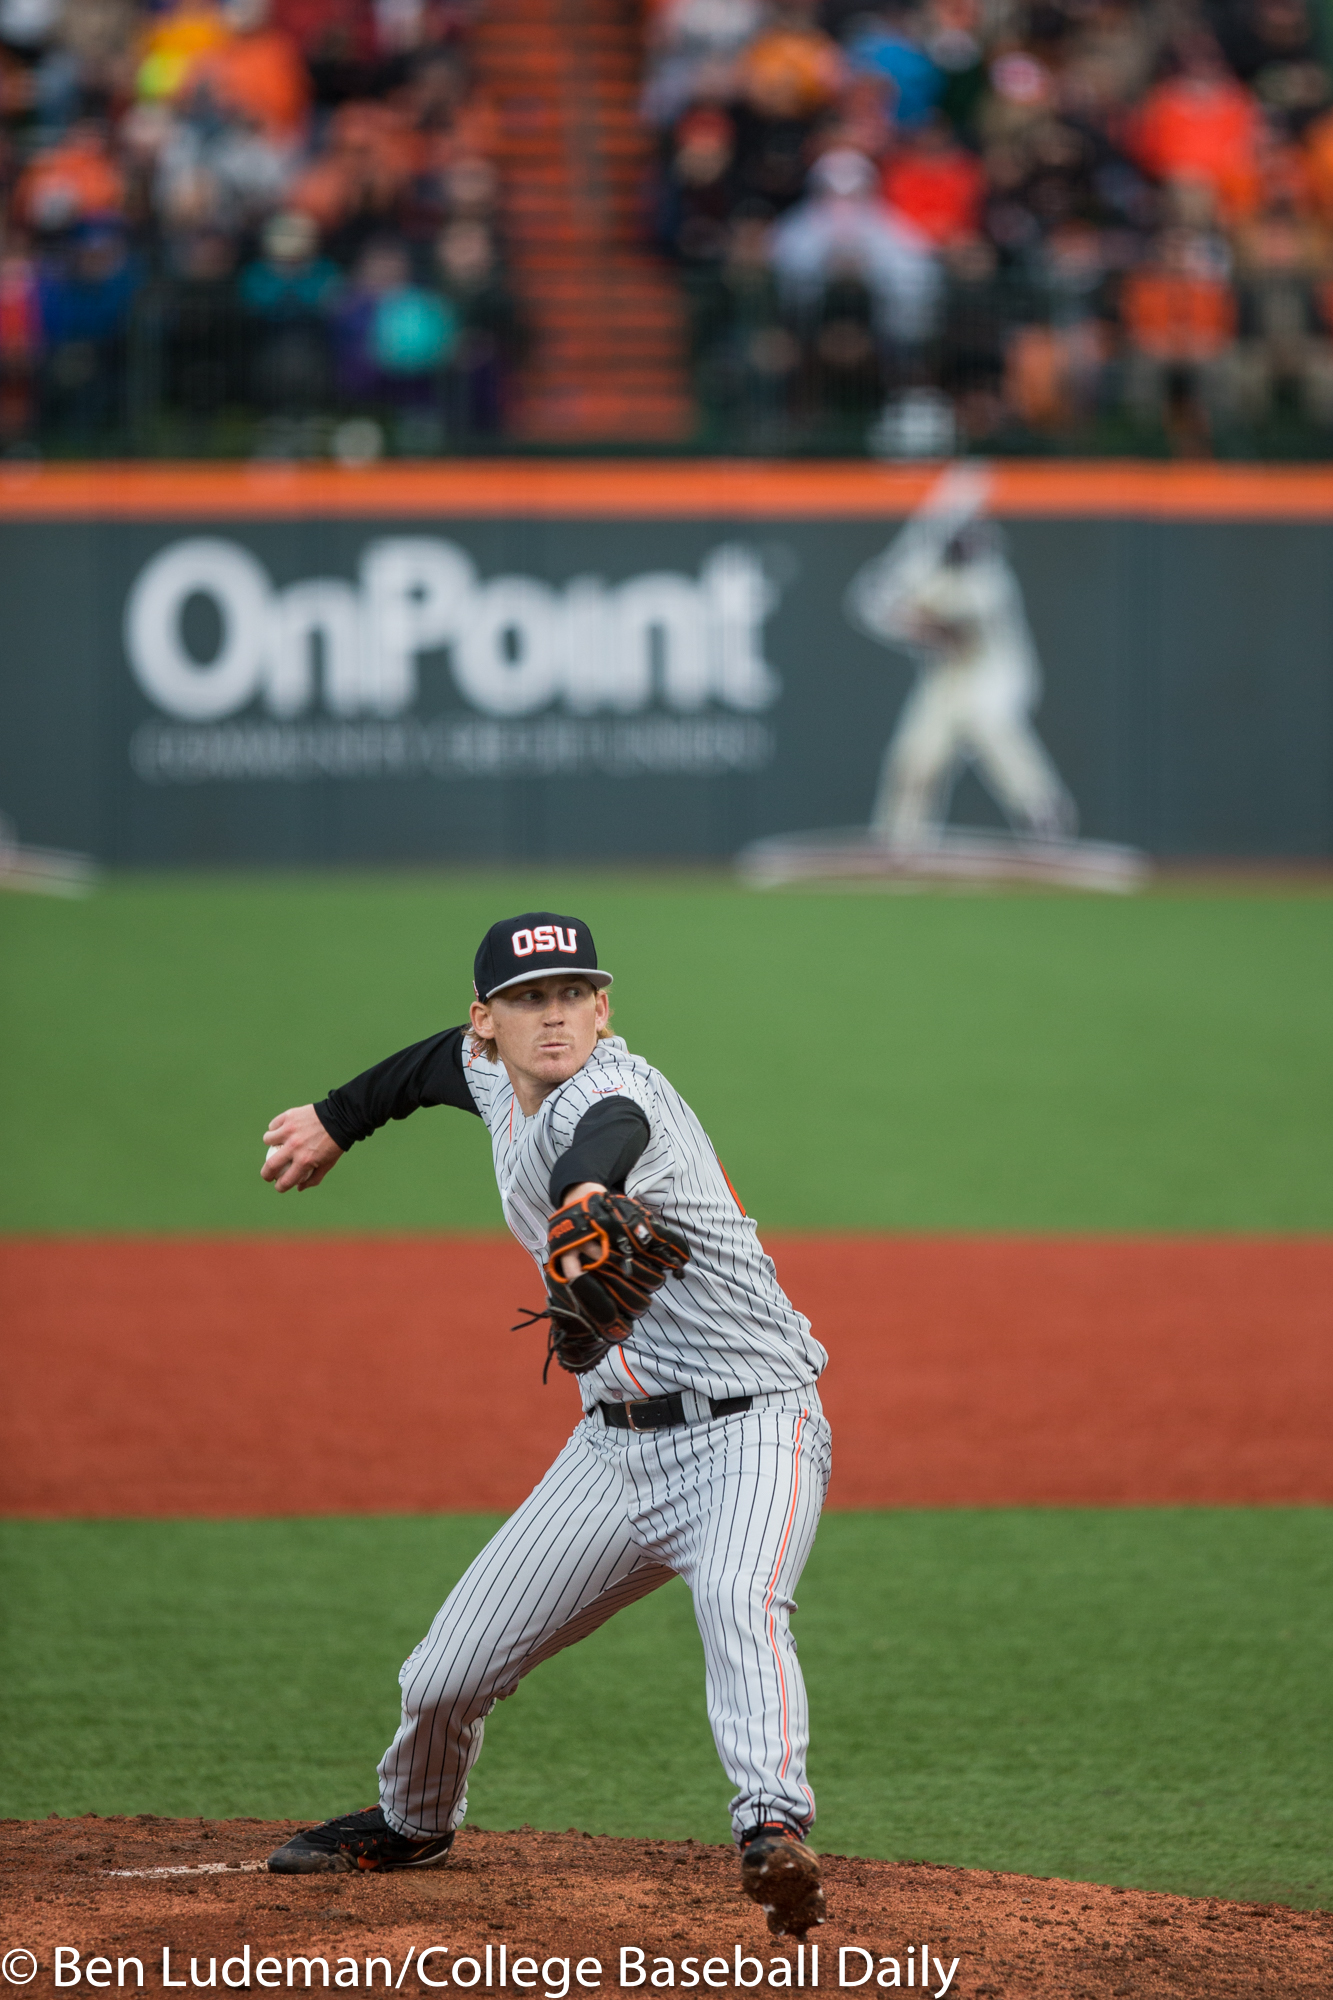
point(1136, 1696)
point(904, 1062)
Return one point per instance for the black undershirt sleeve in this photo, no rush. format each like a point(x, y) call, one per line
point(608, 1141)
point(429, 1072)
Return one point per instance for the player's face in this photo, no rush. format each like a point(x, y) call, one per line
point(544, 1032)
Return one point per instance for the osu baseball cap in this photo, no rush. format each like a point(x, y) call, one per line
point(532, 947)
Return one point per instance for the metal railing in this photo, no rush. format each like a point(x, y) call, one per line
point(1014, 366)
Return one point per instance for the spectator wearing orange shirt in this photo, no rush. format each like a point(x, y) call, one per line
point(791, 69)
point(72, 182)
point(936, 183)
point(786, 81)
point(353, 188)
point(1179, 317)
point(257, 78)
point(1202, 125)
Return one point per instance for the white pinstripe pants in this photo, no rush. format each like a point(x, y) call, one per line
point(730, 1505)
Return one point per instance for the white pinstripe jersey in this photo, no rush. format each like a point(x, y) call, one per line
point(724, 1327)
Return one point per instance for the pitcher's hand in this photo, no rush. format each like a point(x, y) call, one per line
point(300, 1150)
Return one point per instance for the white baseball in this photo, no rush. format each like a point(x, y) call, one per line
point(272, 1154)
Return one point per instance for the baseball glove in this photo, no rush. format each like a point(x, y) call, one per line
point(626, 1253)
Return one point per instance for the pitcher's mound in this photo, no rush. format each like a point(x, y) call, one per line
point(519, 1904)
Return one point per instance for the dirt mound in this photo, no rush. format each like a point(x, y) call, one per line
point(574, 1897)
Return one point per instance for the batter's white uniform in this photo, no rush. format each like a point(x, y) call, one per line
point(979, 678)
point(729, 1503)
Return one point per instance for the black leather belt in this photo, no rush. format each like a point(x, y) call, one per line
point(659, 1413)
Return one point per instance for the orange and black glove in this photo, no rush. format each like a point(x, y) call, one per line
point(626, 1253)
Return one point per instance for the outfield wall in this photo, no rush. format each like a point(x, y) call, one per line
point(506, 661)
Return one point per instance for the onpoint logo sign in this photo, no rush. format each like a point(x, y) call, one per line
point(516, 645)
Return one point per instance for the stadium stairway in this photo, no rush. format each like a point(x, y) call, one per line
point(607, 361)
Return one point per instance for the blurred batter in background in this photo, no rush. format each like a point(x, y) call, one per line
point(944, 591)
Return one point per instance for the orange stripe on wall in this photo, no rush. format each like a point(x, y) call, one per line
point(728, 490)
point(378, 1375)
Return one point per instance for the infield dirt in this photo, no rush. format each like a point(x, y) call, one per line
point(579, 1896)
point(249, 1376)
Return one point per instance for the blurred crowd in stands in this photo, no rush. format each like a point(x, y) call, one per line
point(263, 226)
point(1001, 224)
point(272, 226)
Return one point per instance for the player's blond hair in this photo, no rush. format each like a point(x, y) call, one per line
point(491, 1052)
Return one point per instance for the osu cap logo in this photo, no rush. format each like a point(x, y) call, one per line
point(531, 946)
point(546, 937)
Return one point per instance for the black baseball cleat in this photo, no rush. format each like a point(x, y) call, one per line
point(357, 1840)
point(779, 1872)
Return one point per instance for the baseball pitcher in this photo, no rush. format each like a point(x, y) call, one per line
point(702, 1451)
